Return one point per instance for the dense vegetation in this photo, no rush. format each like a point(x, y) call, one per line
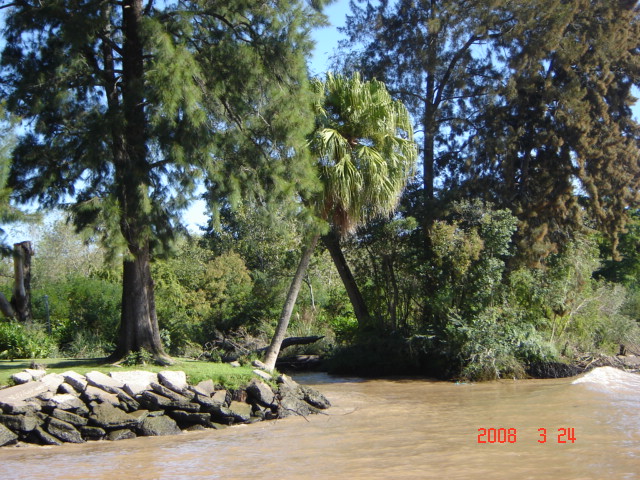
point(516, 243)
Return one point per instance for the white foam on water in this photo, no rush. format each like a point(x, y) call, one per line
point(612, 380)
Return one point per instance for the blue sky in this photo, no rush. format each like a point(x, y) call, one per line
point(327, 38)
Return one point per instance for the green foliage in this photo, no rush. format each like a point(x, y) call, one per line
point(83, 310)
point(140, 357)
point(364, 147)
point(20, 341)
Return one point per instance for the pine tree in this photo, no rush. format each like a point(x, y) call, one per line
point(127, 103)
point(560, 146)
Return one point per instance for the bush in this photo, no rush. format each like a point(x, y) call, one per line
point(21, 341)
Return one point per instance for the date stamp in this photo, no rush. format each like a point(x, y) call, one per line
point(510, 435)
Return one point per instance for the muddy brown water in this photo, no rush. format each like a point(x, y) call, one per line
point(389, 429)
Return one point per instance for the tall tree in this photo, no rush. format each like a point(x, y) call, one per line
point(363, 143)
point(560, 146)
point(127, 102)
point(432, 55)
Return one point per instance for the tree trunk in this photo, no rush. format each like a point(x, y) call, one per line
point(21, 298)
point(332, 242)
point(138, 321)
point(281, 330)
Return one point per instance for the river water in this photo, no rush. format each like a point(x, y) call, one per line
point(389, 429)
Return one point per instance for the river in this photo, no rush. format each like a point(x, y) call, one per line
point(389, 429)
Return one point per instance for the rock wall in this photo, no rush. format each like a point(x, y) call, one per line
point(51, 409)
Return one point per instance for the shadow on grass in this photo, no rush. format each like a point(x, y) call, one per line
point(67, 363)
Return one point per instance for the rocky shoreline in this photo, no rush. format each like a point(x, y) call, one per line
point(53, 409)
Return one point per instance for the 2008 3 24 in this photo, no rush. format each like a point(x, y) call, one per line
point(510, 435)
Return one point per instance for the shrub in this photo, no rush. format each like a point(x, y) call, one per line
point(21, 341)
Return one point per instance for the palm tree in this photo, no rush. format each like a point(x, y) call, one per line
point(363, 142)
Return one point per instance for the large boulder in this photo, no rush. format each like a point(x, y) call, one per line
point(21, 423)
point(63, 431)
point(21, 377)
point(262, 394)
point(107, 416)
point(66, 401)
point(19, 394)
point(92, 393)
point(6, 436)
point(154, 426)
point(69, 417)
point(77, 381)
point(52, 381)
point(104, 382)
point(45, 438)
point(155, 401)
point(135, 382)
point(175, 380)
point(314, 398)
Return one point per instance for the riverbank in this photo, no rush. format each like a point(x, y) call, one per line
point(49, 408)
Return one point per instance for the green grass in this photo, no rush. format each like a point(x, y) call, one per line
point(221, 373)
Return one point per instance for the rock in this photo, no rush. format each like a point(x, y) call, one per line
point(221, 396)
point(127, 403)
point(68, 389)
point(104, 382)
point(63, 431)
point(66, 401)
point(206, 403)
point(92, 433)
point(235, 364)
point(20, 393)
point(155, 401)
point(21, 378)
point(154, 426)
point(77, 381)
point(167, 392)
point(262, 393)
point(22, 423)
point(175, 380)
point(122, 434)
point(259, 364)
point(292, 399)
point(135, 382)
point(227, 416)
point(263, 375)
point(6, 436)
point(69, 417)
point(45, 438)
point(53, 381)
point(44, 397)
point(241, 410)
point(206, 387)
point(92, 393)
point(24, 407)
point(190, 418)
point(107, 416)
point(314, 397)
point(291, 404)
point(36, 374)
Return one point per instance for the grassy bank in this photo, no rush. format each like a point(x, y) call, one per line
point(220, 373)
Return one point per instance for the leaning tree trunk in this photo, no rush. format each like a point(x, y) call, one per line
point(332, 241)
point(281, 330)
